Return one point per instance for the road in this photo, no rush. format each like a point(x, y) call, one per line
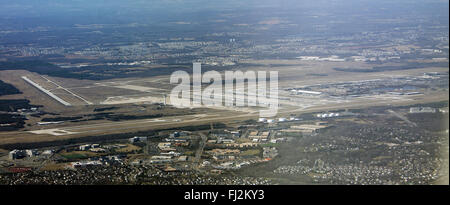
point(402, 118)
point(199, 152)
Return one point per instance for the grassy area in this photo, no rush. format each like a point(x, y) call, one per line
point(74, 156)
point(78, 155)
point(270, 145)
point(128, 148)
point(54, 167)
point(250, 152)
point(189, 153)
point(2, 151)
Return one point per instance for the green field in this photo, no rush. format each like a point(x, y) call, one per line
point(72, 156)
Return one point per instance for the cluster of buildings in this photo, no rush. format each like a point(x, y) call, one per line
point(270, 152)
point(385, 87)
point(85, 164)
point(281, 119)
point(240, 145)
point(256, 136)
point(223, 154)
point(168, 151)
point(19, 154)
point(327, 115)
point(228, 150)
point(91, 147)
point(422, 110)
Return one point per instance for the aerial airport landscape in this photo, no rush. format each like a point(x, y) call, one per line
point(85, 98)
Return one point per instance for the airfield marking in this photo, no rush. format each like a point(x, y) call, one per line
point(89, 103)
point(45, 91)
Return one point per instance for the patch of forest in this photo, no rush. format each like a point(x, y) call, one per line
point(8, 89)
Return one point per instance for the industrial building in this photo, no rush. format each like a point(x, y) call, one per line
point(17, 154)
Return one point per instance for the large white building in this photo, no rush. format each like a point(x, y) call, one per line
point(17, 154)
